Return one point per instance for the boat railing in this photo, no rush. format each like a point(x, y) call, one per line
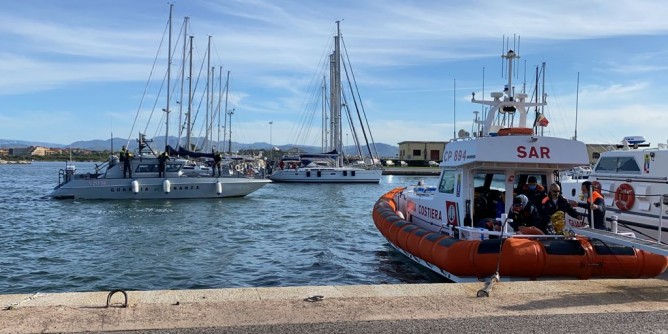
point(480, 233)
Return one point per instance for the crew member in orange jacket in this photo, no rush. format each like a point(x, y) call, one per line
point(593, 203)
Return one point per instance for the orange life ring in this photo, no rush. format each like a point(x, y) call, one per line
point(515, 131)
point(624, 197)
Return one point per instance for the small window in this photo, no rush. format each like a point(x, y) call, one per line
point(447, 184)
point(622, 165)
point(417, 153)
point(628, 165)
point(172, 167)
point(607, 165)
point(146, 168)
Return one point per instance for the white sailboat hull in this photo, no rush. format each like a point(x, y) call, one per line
point(153, 188)
point(146, 183)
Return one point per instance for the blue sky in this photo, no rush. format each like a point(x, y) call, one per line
point(76, 70)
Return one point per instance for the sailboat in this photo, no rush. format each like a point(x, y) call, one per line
point(329, 167)
point(146, 180)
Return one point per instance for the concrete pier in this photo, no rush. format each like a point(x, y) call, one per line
point(343, 309)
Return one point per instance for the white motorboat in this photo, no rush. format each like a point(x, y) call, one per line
point(633, 180)
point(329, 167)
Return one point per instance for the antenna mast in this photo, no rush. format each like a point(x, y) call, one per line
point(577, 93)
point(454, 108)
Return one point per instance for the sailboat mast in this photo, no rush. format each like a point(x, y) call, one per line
point(227, 92)
point(208, 88)
point(336, 103)
point(190, 95)
point(332, 101)
point(169, 74)
point(211, 101)
point(183, 73)
point(324, 115)
point(220, 102)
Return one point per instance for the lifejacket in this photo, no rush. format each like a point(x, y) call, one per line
point(539, 188)
point(595, 195)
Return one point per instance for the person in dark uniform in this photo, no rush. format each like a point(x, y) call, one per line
point(217, 158)
point(162, 163)
point(554, 202)
point(126, 158)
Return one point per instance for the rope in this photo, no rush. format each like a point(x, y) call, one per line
point(484, 292)
point(14, 306)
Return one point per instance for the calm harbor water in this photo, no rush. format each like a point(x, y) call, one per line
point(281, 235)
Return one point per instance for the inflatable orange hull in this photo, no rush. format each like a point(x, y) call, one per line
point(578, 257)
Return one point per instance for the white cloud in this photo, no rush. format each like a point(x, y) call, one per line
point(405, 54)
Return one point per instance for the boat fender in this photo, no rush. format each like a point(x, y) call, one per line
point(400, 214)
point(166, 186)
point(219, 188)
point(625, 197)
point(135, 186)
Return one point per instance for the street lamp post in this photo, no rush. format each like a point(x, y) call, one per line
point(271, 144)
point(229, 129)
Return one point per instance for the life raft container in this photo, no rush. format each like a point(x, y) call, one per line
point(526, 258)
point(515, 132)
point(625, 197)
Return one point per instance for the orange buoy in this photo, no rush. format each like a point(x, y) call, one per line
point(515, 131)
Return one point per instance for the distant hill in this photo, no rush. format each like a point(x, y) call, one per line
point(384, 150)
point(11, 143)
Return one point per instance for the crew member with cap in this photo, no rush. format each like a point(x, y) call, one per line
point(533, 191)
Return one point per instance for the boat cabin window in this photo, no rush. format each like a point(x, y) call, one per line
point(447, 184)
point(153, 168)
point(622, 165)
point(146, 168)
point(172, 167)
point(488, 197)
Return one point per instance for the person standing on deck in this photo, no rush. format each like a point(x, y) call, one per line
point(217, 159)
point(162, 163)
point(126, 158)
point(554, 202)
point(594, 202)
